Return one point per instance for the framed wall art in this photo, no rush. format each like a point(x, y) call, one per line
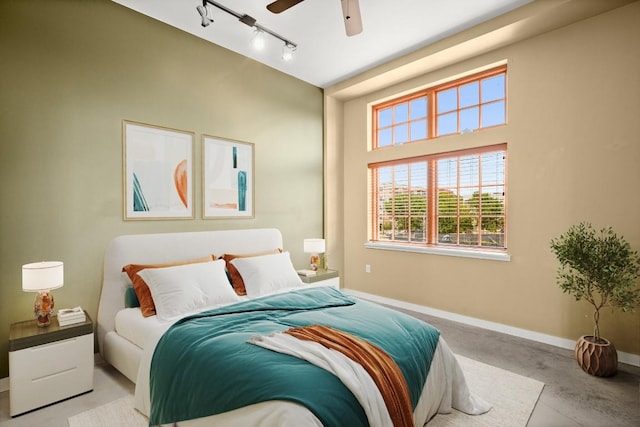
point(227, 178)
point(158, 172)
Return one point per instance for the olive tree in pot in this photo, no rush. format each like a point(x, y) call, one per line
point(600, 268)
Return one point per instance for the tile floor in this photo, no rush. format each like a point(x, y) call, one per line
point(570, 397)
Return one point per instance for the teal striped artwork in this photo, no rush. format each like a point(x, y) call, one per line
point(139, 202)
point(242, 191)
point(228, 181)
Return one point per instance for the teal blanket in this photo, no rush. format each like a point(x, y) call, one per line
point(203, 364)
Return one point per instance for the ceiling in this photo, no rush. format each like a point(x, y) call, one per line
point(325, 55)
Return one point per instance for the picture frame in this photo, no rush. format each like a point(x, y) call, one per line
point(158, 173)
point(227, 178)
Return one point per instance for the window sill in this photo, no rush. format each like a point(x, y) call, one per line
point(457, 252)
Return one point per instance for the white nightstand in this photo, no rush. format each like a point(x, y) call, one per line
point(323, 278)
point(48, 364)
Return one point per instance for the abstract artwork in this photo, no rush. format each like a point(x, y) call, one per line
point(227, 178)
point(158, 172)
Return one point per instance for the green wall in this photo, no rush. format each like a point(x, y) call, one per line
point(70, 72)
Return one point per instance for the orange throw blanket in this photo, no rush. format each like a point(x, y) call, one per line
point(381, 367)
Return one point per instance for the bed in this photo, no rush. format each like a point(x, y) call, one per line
point(133, 343)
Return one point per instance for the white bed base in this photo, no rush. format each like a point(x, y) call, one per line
point(160, 248)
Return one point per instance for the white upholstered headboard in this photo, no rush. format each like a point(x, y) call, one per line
point(168, 247)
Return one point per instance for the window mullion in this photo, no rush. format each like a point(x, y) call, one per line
point(480, 188)
point(409, 169)
point(480, 103)
point(432, 202)
point(458, 200)
point(375, 203)
point(458, 130)
point(431, 114)
point(393, 203)
point(374, 129)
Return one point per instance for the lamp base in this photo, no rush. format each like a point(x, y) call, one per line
point(318, 262)
point(314, 262)
point(43, 307)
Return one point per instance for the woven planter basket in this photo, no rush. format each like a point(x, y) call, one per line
point(596, 359)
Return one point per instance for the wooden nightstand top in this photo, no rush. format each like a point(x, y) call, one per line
point(320, 275)
point(27, 334)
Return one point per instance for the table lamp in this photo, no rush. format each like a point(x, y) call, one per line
point(41, 277)
point(315, 247)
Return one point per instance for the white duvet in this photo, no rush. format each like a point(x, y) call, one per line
point(445, 389)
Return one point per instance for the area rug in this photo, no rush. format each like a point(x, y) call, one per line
point(513, 398)
point(117, 413)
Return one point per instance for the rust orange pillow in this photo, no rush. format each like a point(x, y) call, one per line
point(143, 293)
point(236, 278)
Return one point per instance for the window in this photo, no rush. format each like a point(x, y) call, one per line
point(451, 202)
point(402, 122)
point(454, 199)
point(465, 105)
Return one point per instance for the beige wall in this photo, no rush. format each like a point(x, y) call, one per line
point(71, 72)
point(573, 150)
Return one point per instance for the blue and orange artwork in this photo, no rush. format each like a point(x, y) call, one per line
point(159, 172)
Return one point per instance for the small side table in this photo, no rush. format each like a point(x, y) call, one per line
point(48, 364)
point(323, 278)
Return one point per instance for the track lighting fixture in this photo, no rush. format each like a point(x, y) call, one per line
point(257, 40)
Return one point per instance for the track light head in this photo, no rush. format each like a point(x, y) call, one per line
point(202, 10)
point(258, 41)
point(287, 51)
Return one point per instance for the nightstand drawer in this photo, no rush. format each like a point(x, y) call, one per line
point(50, 372)
point(53, 358)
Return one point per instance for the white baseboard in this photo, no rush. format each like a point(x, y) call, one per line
point(628, 358)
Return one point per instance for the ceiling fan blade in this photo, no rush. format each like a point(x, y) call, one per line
point(351, 16)
point(282, 5)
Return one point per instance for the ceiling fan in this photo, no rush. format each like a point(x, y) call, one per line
point(350, 13)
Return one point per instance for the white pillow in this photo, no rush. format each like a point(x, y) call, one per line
point(188, 288)
point(267, 274)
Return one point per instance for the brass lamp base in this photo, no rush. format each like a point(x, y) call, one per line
point(43, 307)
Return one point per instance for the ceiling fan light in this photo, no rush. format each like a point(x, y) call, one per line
point(257, 41)
point(287, 52)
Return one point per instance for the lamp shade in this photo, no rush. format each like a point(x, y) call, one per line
point(42, 276)
point(314, 246)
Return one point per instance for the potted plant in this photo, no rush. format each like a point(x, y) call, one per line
point(600, 268)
